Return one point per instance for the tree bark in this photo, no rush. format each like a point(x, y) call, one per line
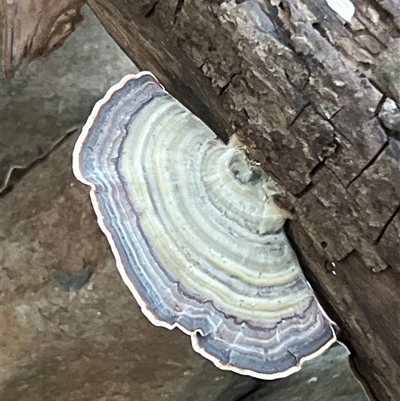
point(315, 99)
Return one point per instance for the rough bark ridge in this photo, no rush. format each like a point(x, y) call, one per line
point(310, 94)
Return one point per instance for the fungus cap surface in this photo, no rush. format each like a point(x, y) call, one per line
point(196, 235)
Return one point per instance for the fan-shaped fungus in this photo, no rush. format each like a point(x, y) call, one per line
point(196, 235)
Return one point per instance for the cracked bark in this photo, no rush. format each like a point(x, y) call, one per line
point(315, 99)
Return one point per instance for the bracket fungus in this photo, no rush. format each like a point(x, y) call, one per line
point(195, 232)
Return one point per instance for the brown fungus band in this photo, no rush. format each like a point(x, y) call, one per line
point(196, 235)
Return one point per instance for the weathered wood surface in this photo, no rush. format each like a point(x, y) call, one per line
point(315, 98)
point(33, 28)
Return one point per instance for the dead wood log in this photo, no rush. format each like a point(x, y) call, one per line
point(315, 98)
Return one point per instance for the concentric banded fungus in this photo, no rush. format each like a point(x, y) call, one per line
point(197, 239)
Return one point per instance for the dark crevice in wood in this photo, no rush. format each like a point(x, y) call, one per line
point(286, 11)
point(339, 133)
point(369, 164)
point(299, 114)
point(397, 210)
point(305, 190)
point(287, 76)
point(246, 113)
point(302, 89)
point(328, 120)
point(335, 113)
point(378, 87)
point(306, 84)
point(225, 87)
point(359, 32)
point(318, 27)
point(318, 167)
point(178, 9)
point(44, 316)
point(334, 173)
point(391, 134)
point(152, 10)
point(379, 108)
